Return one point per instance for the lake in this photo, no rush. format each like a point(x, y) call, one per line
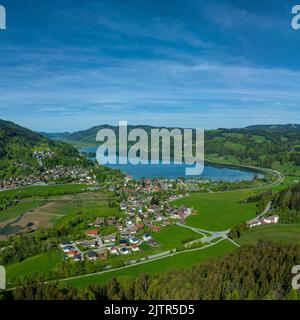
point(171, 171)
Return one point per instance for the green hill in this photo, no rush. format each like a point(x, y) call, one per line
point(22, 151)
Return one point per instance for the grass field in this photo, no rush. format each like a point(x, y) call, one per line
point(175, 237)
point(36, 264)
point(39, 191)
point(58, 213)
point(182, 260)
point(283, 233)
point(218, 211)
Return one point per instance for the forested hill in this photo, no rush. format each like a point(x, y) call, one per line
point(275, 127)
point(88, 137)
point(269, 146)
point(288, 199)
point(21, 150)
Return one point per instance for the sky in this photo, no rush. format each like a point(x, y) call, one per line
point(68, 65)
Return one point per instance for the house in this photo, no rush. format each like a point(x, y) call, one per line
point(135, 248)
point(109, 239)
point(92, 255)
point(77, 257)
point(99, 222)
point(254, 223)
point(114, 250)
point(92, 233)
point(66, 243)
point(111, 221)
point(89, 244)
point(153, 243)
point(272, 219)
point(125, 251)
point(147, 237)
point(155, 228)
point(132, 230)
point(133, 240)
point(72, 253)
point(258, 222)
point(119, 227)
point(129, 223)
point(68, 248)
point(123, 242)
point(124, 234)
point(159, 218)
point(139, 226)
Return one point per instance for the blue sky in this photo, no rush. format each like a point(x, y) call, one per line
point(69, 65)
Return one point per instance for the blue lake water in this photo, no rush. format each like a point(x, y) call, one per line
point(211, 171)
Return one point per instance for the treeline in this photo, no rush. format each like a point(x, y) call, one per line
point(268, 147)
point(261, 199)
point(287, 204)
point(253, 272)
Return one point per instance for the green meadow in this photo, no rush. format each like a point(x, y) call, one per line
point(218, 211)
point(43, 262)
point(39, 191)
point(283, 233)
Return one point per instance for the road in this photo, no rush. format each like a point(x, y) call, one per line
point(267, 209)
point(212, 235)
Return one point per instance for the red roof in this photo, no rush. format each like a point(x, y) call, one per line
point(155, 228)
point(72, 252)
point(92, 232)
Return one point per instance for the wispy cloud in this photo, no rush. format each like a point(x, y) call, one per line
point(101, 62)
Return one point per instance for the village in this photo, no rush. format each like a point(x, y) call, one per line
point(144, 213)
point(76, 174)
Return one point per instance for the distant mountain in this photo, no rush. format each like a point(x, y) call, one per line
point(18, 145)
point(274, 127)
point(88, 137)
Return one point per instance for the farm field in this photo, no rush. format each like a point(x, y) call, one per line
point(44, 262)
point(218, 211)
point(175, 237)
point(182, 260)
point(283, 233)
point(41, 190)
point(18, 210)
point(223, 210)
point(56, 209)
